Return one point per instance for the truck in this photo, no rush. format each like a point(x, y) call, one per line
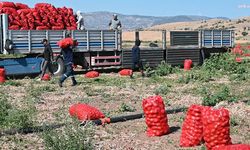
point(104, 48)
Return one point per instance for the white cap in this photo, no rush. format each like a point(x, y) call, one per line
point(115, 15)
point(78, 12)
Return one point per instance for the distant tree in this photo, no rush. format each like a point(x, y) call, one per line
point(244, 33)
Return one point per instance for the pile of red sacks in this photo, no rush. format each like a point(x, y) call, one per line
point(207, 124)
point(44, 16)
point(85, 112)
point(155, 115)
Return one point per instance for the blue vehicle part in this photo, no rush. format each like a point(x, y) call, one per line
point(21, 66)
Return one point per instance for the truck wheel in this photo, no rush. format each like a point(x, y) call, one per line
point(58, 67)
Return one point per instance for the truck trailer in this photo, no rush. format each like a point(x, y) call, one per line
point(103, 48)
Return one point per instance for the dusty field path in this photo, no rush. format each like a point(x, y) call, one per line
point(115, 95)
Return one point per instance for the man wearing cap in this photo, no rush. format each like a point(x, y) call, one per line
point(115, 24)
point(68, 62)
point(48, 58)
point(80, 21)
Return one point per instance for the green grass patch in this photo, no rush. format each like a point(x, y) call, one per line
point(214, 95)
point(71, 137)
point(12, 83)
point(12, 117)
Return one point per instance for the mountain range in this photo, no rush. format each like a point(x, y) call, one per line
point(100, 20)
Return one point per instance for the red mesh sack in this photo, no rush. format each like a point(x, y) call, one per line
point(92, 74)
point(2, 72)
point(42, 28)
point(24, 28)
point(191, 134)
point(85, 112)
point(46, 77)
point(233, 147)
point(2, 75)
point(21, 6)
point(71, 28)
point(238, 59)
point(7, 4)
point(24, 11)
point(155, 116)
point(11, 18)
point(237, 51)
point(216, 127)
point(57, 27)
point(38, 23)
point(9, 11)
point(66, 42)
point(16, 22)
point(126, 72)
point(40, 5)
point(14, 27)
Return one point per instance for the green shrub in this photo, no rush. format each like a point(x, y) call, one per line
point(211, 99)
point(4, 108)
point(20, 118)
point(164, 69)
point(12, 83)
point(71, 137)
point(12, 117)
point(126, 108)
point(244, 33)
point(34, 93)
point(162, 89)
point(217, 66)
point(233, 121)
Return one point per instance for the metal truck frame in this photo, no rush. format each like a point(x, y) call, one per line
point(103, 48)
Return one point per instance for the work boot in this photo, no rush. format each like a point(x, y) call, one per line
point(74, 83)
point(60, 84)
point(131, 76)
point(142, 74)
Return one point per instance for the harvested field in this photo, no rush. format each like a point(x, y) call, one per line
point(40, 102)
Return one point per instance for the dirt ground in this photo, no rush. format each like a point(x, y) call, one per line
point(109, 93)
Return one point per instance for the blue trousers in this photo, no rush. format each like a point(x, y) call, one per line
point(69, 72)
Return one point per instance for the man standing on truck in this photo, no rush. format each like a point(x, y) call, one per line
point(136, 61)
point(80, 21)
point(67, 53)
point(48, 58)
point(115, 24)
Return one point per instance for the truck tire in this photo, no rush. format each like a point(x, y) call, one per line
point(58, 67)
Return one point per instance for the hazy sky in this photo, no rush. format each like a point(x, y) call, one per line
point(210, 8)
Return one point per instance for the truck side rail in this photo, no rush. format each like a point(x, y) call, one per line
point(29, 41)
point(217, 38)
